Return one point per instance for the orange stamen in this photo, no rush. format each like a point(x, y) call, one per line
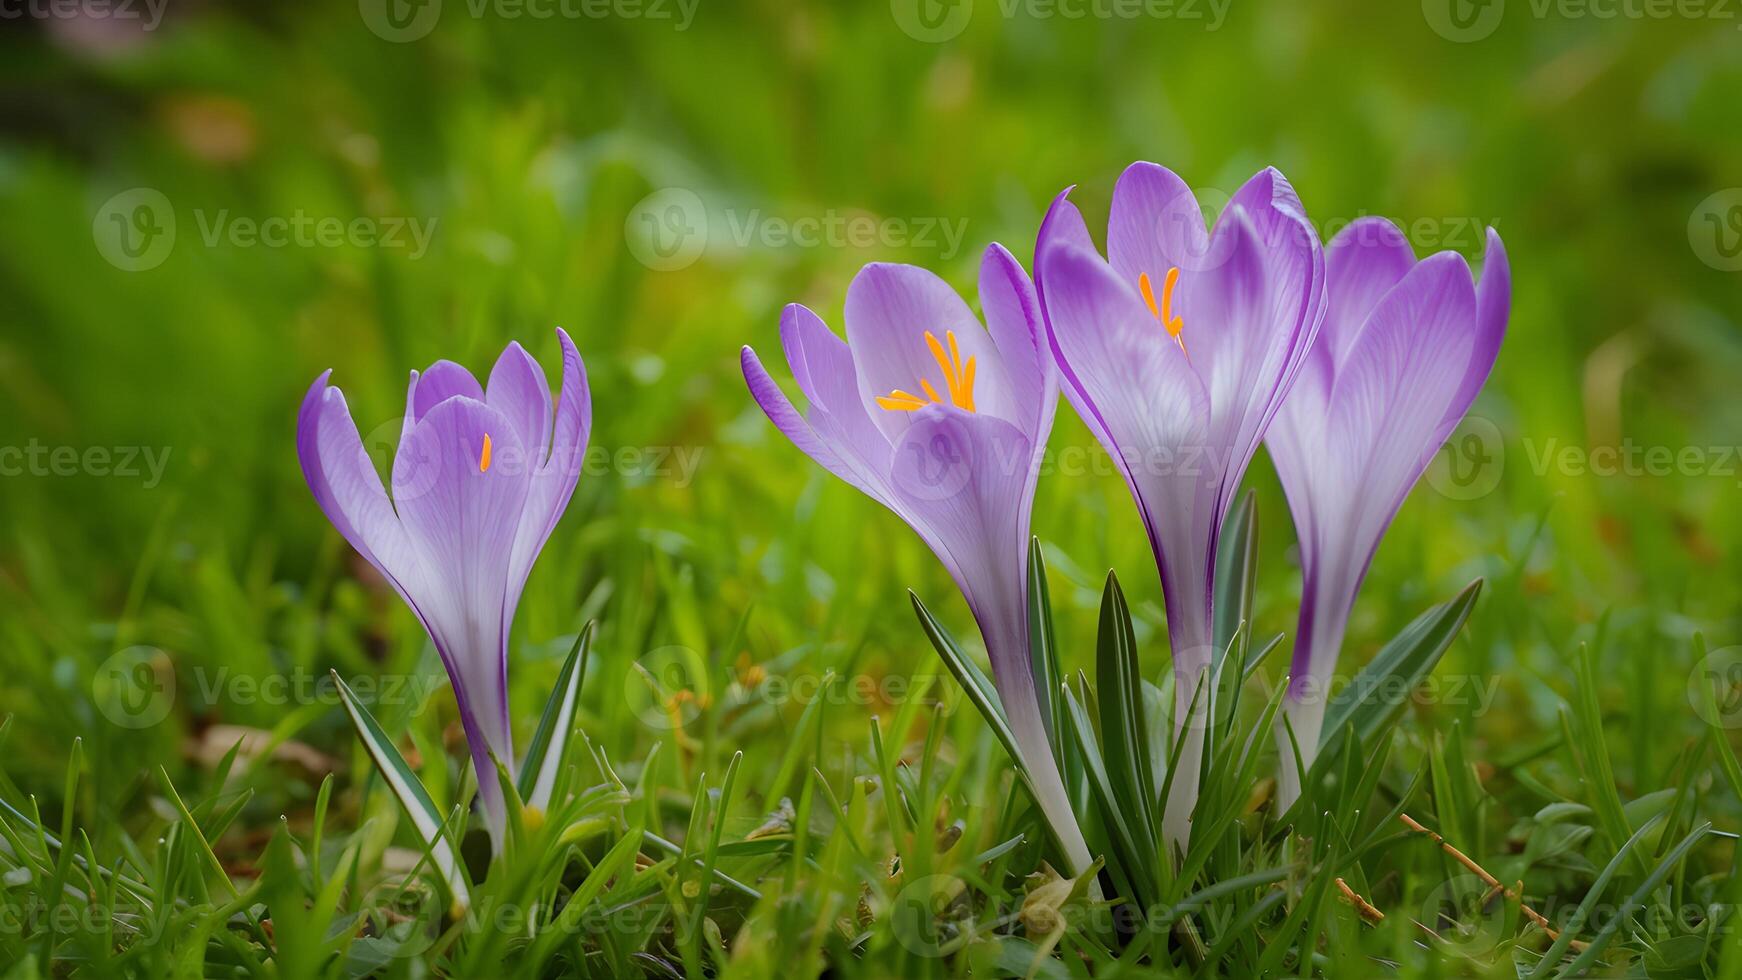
point(958, 379)
point(1163, 312)
point(484, 458)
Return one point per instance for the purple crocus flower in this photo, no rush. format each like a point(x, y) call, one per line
point(1177, 350)
point(1405, 347)
point(943, 422)
point(479, 480)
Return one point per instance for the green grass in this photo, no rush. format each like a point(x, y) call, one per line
point(831, 800)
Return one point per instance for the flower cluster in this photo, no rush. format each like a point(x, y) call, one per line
point(1352, 362)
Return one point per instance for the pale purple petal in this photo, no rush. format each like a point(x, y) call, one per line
point(1127, 371)
point(823, 367)
point(553, 472)
point(462, 519)
point(442, 381)
point(1493, 306)
point(890, 308)
point(519, 390)
point(1243, 319)
point(347, 487)
point(1362, 263)
point(954, 481)
point(1018, 330)
point(1155, 224)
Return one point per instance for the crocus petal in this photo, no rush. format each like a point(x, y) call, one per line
point(1362, 263)
point(1244, 317)
point(462, 517)
point(889, 311)
point(553, 471)
point(1126, 371)
point(823, 367)
point(1493, 306)
point(956, 484)
point(519, 390)
point(1391, 393)
point(1155, 224)
point(347, 488)
point(442, 381)
point(1017, 328)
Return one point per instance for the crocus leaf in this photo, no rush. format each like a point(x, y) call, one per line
point(1043, 649)
point(1236, 571)
point(544, 757)
point(1124, 731)
point(1131, 864)
point(1378, 692)
point(1570, 929)
point(408, 790)
point(1636, 901)
point(974, 682)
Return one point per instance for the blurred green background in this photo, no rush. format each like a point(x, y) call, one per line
point(660, 180)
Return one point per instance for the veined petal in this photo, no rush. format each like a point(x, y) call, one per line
point(1244, 319)
point(518, 389)
point(823, 367)
point(1017, 328)
point(961, 481)
point(890, 310)
point(442, 381)
point(462, 518)
point(1127, 372)
point(1493, 306)
point(553, 470)
point(1403, 372)
point(797, 428)
point(348, 489)
point(1155, 224)
point(1362, 263)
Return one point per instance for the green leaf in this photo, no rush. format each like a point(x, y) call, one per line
point(1376, 697)
point(1636, 900)
point(1124, 731)
point(1043, 649)
point(1134, 858)
point(1592, 895)
point(974, 683)
point(408, 790)
point(1236, 571)
point(544, 757)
